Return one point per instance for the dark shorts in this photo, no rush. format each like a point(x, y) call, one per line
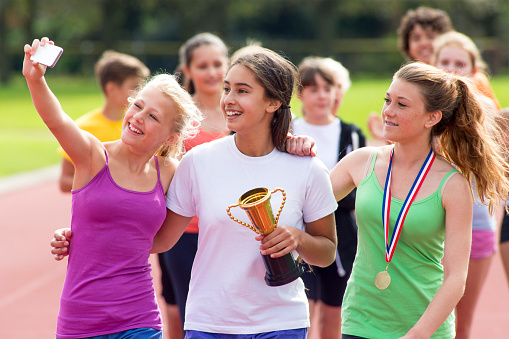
point(167, 287)
point(300, 333)
point(504, 232)
point(179, 261)
point(347, 336)
point(325, 284)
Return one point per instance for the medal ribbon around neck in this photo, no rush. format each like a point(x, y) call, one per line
point(386, 205)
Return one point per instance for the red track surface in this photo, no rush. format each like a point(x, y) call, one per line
point(31, 281)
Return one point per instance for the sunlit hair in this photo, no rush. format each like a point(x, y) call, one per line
point(341, 74)
point(250, 47)
point(469, 135)
point(188, 48)
point(188, 117)
point(278, 76)
point(312, 66)
point(429, 18)
point(462, 41)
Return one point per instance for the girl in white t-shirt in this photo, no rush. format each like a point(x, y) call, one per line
point(228, 293)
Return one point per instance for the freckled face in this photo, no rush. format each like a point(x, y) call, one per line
point(403, 112)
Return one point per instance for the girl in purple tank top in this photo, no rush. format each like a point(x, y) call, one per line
point(118, 193)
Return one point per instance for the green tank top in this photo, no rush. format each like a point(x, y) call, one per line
point(416, 270)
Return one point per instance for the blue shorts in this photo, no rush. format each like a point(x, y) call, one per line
point(135, 333)
point(300, 333)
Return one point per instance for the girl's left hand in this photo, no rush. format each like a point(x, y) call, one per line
point(281, 241)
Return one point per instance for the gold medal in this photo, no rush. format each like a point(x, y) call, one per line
point(382, 280)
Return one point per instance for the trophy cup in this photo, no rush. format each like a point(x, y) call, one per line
point(256, 203)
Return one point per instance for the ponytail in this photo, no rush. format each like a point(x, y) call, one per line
point(469, 135)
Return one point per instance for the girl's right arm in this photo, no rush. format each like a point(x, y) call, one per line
point(170, 232)
point(78, 144)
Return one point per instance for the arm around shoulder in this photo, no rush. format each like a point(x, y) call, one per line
point(170, 232)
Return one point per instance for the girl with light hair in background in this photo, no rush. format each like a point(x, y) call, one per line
point(456, 53)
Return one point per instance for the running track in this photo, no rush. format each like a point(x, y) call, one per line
point(31, 207)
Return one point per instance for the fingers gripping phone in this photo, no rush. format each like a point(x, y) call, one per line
point(47, 55)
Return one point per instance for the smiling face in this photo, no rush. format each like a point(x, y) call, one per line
point(318, 100)
point(149, 120)
point(403, 112)
point(420, 43)
point(244, 103)
point(207, 68)
point(454, 59)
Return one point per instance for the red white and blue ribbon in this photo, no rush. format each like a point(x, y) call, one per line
point(386, 205)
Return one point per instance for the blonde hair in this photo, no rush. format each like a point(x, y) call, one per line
point(251, 47)
point(188, 118)
point(469, 135)
point(462, 41)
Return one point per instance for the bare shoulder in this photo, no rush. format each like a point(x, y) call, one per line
point(167, 167)
point(456, 190)
point(363, 154)
point(354, 164)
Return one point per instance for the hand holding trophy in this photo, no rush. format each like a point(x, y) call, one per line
point(256, 203)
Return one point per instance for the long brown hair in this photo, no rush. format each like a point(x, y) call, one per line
point(279, 77)
point(469, 135)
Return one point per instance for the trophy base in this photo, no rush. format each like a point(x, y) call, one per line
point(282, 270)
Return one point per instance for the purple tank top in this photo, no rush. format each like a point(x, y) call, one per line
point(108, 286)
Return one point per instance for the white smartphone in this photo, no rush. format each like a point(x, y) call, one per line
point(47, 55)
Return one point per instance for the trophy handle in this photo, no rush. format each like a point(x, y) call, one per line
point(240, 221)
point(282, 203)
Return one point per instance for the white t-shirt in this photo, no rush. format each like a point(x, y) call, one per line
point(227, 292)
point(326, 138)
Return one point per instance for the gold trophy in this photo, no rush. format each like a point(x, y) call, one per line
point(256, 203)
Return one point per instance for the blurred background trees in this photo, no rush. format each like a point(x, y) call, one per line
point(359, 33)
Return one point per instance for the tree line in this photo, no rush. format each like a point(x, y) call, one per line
point(359, 33)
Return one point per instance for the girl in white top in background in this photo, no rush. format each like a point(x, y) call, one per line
point(324, 81)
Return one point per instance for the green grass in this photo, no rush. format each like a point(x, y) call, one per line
point(26, 143)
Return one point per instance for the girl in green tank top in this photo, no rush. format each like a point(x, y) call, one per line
point(415, 215)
